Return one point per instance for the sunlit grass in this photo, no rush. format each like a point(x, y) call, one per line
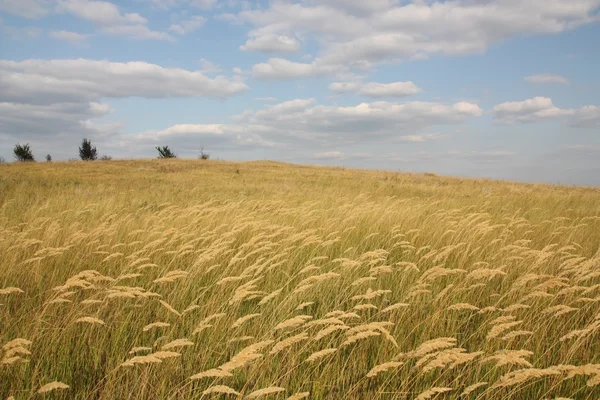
point(187, 279)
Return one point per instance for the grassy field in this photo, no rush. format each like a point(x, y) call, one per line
point(168, 279)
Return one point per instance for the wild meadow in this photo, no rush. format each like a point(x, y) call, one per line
point(175, 279)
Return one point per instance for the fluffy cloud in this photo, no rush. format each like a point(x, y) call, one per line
point(272, 44)
point(586, 117)
point(192, 138)
point(546, 78)
point(303, 124)
point(306, 120)
point(53, 81)
point(103, 14)
point(109, 19)
point(60, 99)
point(540, 109)
point(100, 12)
point(531, 110)
point(395, 89)
point(31, 120)
point(364, 33)
point(377, 90)
point(279, 68)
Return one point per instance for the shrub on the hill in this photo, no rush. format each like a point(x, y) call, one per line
point(23, 152)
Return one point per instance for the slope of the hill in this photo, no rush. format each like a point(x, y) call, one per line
point(185, 279)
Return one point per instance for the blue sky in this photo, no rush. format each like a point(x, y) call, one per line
point(502, 89)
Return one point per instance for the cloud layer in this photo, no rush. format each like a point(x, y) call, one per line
point(539, 109)
point(364, 33)
point(377, 90)
point(53, 99)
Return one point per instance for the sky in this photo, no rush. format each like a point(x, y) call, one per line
point(502, 89)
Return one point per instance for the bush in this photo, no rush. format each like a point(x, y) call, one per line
point(48, 158)
point(165, 152)
point(203, 155)
point(86, 151)
point(23, 153)
point(105, 158)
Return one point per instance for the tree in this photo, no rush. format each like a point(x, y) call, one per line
point(48, 158)
point(87, 152)
point(203, 155)
point(23, 152)
point(165, 152)
point(105, 158)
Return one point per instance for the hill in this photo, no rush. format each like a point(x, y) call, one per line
point(155, 279)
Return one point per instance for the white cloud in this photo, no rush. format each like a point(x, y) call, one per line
point(586, 117)
point(110, 20)
point(541, 109)
point(25, 8)
point(191, 129)
point(279, 69)
point(74, 38)
point(531, 110)
point(304, 124)
point(281, 110)
point(546, 78)
point(52, 122)
point(395, 89)
point(188, 26)
point(50, 100)
point(101, 13)
point(357, 33)
point(306, 120)
point(193, 137)
point(272, 44)
point(53, 81)
point(375, 89)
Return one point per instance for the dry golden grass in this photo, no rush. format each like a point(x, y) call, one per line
point(174, 279)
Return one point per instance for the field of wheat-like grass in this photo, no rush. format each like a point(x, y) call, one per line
point(173, 279)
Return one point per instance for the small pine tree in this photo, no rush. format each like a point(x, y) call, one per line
point(48, 158)
point(87, 152)
point(23, 152)
point(165, 152)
